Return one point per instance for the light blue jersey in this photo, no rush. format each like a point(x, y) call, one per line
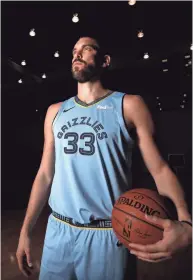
point(93, 154)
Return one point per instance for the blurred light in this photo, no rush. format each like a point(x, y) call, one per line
point(44, 76)
point(186, 65)
point(37, 265)
point(182, 106)
point(184, 101)
point(165, 70)
point(146, 56)
point(56, 54)
point(36, 110)
point(32, 32)
point(185, 94)
point(20, 81)
point(159, 103)
point(160, 109)
point(187, 56)
point(132, 2)
point(189, 62)
point(157, 97)
point(191, 47)
point(12, 258)
point(164, 60)
point(140, 34)
point(23, 63)
point(75, 18)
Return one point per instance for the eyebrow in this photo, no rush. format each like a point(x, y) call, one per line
point(95, 47)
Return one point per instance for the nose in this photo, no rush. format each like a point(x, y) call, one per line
point(78, 54)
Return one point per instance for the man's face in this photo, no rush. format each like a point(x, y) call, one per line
point(85, 62)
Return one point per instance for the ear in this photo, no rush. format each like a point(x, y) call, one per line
point(107, 61)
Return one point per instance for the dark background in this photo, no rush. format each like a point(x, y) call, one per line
point(168, 34)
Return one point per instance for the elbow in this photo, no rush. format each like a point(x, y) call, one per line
point(160, 177)
point(159, 169)
point(45, 176)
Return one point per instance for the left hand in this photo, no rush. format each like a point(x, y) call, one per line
point(176, 236)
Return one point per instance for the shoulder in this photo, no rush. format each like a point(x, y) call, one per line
point(54, 107)
point(53, 110)
point(134, 104)
point(133, 100)
point(136, 111)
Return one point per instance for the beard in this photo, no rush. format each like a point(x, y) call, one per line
point(88, 73)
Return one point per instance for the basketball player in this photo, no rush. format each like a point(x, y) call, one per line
point(86, 164)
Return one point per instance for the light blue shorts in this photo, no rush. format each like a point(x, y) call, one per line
point(73, 253)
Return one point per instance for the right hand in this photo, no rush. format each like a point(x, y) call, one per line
point(23, 255)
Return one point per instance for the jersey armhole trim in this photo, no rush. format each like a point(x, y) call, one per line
point(126, 127)
point(122, 111)
point(54, 118)
point(58, 114)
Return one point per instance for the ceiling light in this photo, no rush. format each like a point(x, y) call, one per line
point(56, 54)
point(132, 2)
point(20, 81)
point(23, 63)
point(164, 60)
point(75, 18)
point(44, 76)
point(146, 56)
point(140, 34)
point(32, 32)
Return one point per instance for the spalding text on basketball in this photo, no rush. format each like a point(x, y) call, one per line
point(138, 205)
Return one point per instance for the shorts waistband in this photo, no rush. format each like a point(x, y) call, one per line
point(94, 224)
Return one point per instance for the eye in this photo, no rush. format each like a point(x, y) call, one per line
point(87, 48)
point(73, 53)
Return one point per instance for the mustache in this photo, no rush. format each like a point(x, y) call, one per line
point(79, 60)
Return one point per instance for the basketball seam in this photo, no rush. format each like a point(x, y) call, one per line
point(118, 221)
point(138, 218)
point(168, 216)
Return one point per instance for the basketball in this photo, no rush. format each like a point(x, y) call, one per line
point(128, 216)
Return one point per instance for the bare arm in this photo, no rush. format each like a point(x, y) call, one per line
point(41, 186)
point(136, 111)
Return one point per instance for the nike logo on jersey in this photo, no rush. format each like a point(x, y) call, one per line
point(68, 109)
point(104, 107)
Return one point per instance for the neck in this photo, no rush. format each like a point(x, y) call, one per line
point(90, 91)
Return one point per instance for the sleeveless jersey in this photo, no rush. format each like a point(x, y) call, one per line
point(93, 154)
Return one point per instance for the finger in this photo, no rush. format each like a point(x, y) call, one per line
point(26, 266)
point(21, 266)
point(154, 261)
point(28, 259)
point(163, 223)
point(150, 248)
point(150, 256)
